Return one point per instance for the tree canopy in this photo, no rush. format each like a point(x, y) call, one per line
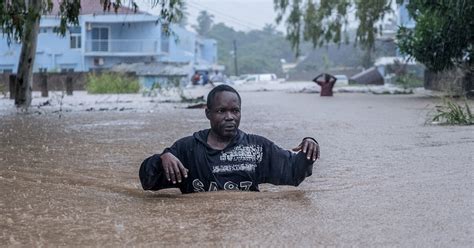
point(443, 37)
point(325, 21)
point(204, 23)
point(258, 51)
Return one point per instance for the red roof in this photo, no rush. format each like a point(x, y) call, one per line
point(95, 7)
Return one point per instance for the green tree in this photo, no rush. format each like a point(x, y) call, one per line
point(184, 13)
point(325, 21)
point(269, 29)
point(443, 37)
point(19, 21)
point(258, 51)
point(205, 21)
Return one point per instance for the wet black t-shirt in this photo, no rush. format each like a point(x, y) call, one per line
point(247, 161)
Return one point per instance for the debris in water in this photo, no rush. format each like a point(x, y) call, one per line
point(197, 106)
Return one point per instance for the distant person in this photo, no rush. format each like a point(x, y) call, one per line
point(226, 158)
point(205, 78)
point(195, 78)
point(326, 81)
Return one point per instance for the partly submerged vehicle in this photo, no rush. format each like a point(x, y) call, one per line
point(250, 78)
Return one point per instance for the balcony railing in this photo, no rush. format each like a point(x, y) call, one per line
point(122, 47)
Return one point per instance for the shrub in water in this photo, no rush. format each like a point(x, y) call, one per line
point(408, 81)
point(452, 113)
point(117, 83)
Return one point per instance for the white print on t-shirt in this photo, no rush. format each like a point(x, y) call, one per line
point(233, 167)
point(229, 185)
point(241, 153)
point(240, 158)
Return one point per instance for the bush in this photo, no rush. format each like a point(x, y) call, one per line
point(118, 83)
point(408, 81)
point(452, 113)
point(2, 89)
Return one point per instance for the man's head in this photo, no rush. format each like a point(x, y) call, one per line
point(223, 110)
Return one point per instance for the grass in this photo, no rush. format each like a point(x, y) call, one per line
point(2, 89)
point(451, 113)
point(111, 83)
point(408, 81)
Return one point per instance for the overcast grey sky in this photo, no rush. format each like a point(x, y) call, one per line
point(242, 15)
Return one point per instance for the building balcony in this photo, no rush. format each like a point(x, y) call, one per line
point(122, 47)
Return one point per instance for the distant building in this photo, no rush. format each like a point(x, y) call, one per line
point(104, 39)
point(403, 17)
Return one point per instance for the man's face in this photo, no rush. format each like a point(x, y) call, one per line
point(224, 114)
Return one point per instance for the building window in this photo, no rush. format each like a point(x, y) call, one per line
point(100, 39)
point(75, 41)
point(98, 61)
point(75, 37)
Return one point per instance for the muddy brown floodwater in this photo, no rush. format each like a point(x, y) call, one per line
point(385, 178)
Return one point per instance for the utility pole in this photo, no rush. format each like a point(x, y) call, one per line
point(235, 58)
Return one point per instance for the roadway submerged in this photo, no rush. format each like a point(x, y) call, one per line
point(385, 178)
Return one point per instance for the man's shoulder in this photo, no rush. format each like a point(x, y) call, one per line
point(184, 142)
point(186, 139)
point(255, 138)
point(200, 135)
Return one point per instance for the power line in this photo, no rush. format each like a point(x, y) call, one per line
point(222, 15)
point(231, 17)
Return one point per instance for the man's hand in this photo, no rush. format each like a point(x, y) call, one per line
point(174, 169)
point(309, 147)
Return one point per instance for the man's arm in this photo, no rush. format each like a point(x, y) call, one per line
point(282, 167)
point(317, 79)
point(164, 170)
point(152, 175)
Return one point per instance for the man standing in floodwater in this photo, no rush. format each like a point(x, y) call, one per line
point(224, 157)
point(326, 81)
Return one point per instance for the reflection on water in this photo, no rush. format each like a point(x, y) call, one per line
point(384, 179)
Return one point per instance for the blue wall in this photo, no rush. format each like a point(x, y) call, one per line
point(209, 52)
point(9, 55)
point(52, 53)
point(181, 45)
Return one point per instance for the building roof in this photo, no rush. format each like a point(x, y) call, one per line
point(95, 7)
point(369, 76)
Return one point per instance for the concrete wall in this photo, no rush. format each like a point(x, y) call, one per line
point(454, 82)
point(56, 81)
